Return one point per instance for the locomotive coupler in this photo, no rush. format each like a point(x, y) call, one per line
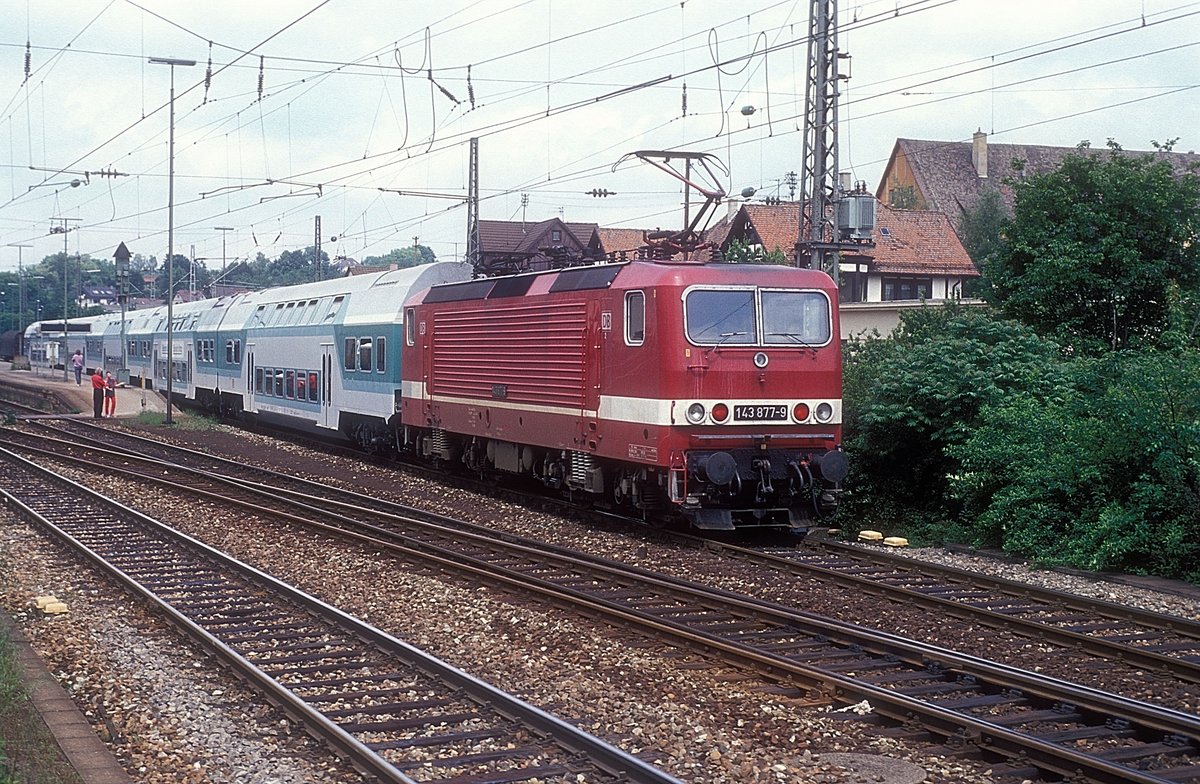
point(764, 489)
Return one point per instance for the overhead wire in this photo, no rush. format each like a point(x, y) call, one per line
point(500, 127)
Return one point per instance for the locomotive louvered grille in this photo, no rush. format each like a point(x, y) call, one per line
point(519, 353)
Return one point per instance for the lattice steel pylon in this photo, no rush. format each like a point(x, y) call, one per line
point(473, 207)
point(819, 189)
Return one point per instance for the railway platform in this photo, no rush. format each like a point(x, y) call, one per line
point(131, 401)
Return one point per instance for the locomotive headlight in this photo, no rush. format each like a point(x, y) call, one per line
point(824, 412)
point(695, 413)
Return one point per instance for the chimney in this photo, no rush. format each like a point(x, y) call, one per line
point(979, 153)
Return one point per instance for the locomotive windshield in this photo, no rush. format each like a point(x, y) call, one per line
point(721, 316)
point(733, 317)
point(796, 317)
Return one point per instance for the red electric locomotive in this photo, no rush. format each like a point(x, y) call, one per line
point(711, 391)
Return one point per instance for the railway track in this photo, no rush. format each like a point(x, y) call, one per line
point(389, 708)
point(1039, 724)
point(1164, 645)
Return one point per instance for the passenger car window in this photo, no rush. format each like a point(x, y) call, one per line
point(348, 354)
point(380, 355)
point(364, 354)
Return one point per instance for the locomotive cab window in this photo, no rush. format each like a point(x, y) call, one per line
point(635, 318)
point(757, 317)
point(721, 317)
point(795, 318)
point(410, 330)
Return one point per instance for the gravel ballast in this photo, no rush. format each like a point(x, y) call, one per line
point(171, 716)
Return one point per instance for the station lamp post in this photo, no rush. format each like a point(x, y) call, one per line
point(172, 62)
point(63, 229)
point(224, 231)
point(21, 292)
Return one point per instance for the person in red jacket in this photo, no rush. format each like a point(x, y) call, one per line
point(98, 387)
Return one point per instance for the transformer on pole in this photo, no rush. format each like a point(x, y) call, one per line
point(822, 234)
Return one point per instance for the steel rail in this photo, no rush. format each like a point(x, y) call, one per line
point(566, 735)
point(943, 721)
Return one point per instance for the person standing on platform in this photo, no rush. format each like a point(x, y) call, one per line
point(77, 363)
point(97, 394)
point(110, 395)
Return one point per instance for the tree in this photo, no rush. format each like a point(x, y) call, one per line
point(411, 256)
point(740, 252)
point(911, 399)
point(980, 227)
point(1105, 474)
point(1093, 248)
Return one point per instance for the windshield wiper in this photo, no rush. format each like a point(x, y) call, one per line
point(797, 337)
point(723, 337)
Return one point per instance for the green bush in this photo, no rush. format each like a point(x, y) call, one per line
point(911, 399)
point(1105, 476)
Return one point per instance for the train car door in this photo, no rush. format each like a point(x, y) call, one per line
point(327, 417)
point(599, 325)
point(250, 390)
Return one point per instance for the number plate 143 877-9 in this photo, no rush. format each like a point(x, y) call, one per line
point(760, 413)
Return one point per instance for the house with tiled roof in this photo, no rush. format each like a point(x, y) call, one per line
point(917, 258)
point(93, 296)
point(949, 177)
point(618, 240)
point(517, 246)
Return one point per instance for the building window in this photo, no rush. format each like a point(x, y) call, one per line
point(906, 288)
point(852, 287)
point(556, 235)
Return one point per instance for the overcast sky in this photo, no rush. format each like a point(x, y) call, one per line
point(312, 107)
